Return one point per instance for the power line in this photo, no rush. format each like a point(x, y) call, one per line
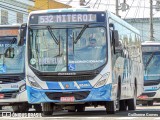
point(99, 4)
point(95, 3)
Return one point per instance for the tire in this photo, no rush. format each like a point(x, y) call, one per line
point(80, 108)
point(71, 110)
point(21, 108)
point(38, 108)
point(47, 108)
point(123, 106)
point(150, 103)
point(111, 107)
point(132, 102)
point(144, 104)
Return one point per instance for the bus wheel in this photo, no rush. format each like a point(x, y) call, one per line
point(132, 102)
point(47, 108)
point(110, 107)
point(71, 110)
point(144, 104)
point(150, 103)
point(23, 107)
point(80, 108)
point(123, 106)
point(38, 108)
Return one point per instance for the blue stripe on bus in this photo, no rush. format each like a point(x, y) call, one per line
point(53, 85)
point(84, 84)
point(69, 85)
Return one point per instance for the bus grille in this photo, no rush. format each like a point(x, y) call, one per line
point(11, 94)
point(150, 94)
point(9, 80)
point(67, 78)
point(77, 95)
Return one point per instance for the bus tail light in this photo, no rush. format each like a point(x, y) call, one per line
point(102, 81)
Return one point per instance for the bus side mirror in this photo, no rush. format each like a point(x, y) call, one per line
point(115, 38)
point(116, 42)
point(22, 35)
point(9, 53)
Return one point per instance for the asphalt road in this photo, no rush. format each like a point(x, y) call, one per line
point(91, 113)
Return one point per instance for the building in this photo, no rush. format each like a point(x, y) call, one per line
point(47, 4)
point(142, 24)
point(14, 11)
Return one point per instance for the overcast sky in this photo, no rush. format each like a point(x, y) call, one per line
point(138, 8)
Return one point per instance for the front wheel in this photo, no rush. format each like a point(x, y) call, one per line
point(23, 107)
point(38, 108)
point(47, 108)
point(110, 107)
point(80, 108)
point(150, 103)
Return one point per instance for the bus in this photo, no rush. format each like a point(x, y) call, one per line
point(12, 68)
point(81, 57)
point(151, 60)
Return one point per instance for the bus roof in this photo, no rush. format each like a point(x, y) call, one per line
point(123, 22)
point(151, 43)
point(66, 10)
point(9, 26)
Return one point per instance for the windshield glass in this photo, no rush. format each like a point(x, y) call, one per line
point(14, 63)
point(151, 62)
point(67, 49)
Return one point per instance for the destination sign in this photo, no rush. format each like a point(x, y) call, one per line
point(67, 18)
point(11, 32)
point(150, 48)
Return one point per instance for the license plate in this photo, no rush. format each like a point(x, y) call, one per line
point(67, 99)
point(1, 96)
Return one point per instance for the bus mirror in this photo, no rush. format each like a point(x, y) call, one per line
point(21, 38)
point(115, 38)
point(9, 53)
point(22, 34)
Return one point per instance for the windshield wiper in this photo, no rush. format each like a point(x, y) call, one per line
point(149, 60)
point(81, 33)
point(52, 35)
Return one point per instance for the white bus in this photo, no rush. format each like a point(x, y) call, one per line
point(82, 57)
point(12, 68)
point(151, 60)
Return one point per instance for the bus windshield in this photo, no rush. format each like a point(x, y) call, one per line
point(67, 49)
point(151, 62)
point(14, 64)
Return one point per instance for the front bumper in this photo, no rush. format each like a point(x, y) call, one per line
point(20, 97)
point(94, 94)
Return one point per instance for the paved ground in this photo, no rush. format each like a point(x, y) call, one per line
point(141, 113)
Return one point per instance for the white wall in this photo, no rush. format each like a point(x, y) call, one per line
point(12, 10)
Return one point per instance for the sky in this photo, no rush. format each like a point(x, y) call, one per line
point(138, 8)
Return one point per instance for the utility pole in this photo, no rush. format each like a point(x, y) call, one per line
point(151, 20)
point(117, 10)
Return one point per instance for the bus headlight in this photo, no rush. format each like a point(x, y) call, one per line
point(102, 81)
point(22, 88)
point(33, 82)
